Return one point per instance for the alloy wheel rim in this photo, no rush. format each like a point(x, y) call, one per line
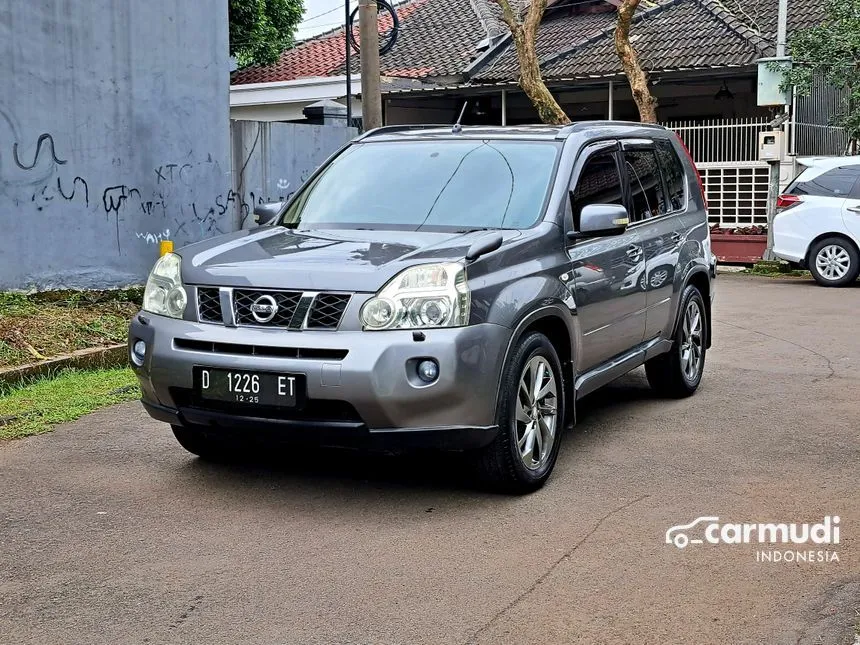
point(833, 262)
point(659, 277)
point(536, 412)
point(691, 342)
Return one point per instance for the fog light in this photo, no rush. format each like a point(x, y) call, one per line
point(138, 352)
point(428, 371)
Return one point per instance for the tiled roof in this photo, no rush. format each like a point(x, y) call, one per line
point(761, 15)
point(556, 33)
point(677, 34)
point(437, 38)
point(681, 35)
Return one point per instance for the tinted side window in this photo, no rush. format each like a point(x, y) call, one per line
point(598, 183)
point(838, 182)
point(855, 192)
point(673, 173)
point(646, 186)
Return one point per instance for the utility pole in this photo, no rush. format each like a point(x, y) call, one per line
point(772, 196)
point(781, 27)
point(775, 165)
point(371, 99)
point(348, 54)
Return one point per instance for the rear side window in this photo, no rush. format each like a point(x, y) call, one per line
point(838, 182)
point(673, 174)
point(646, 185)
point(598, 183)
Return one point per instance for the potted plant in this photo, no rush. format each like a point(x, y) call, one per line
point(743, 245)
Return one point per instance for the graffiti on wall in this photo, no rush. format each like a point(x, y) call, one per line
point(38, 177)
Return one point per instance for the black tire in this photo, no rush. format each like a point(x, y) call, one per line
point(666, 373)
point(197, 442)
point(847, 249)
point(501, 464)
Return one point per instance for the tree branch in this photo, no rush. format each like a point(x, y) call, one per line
point(636, 76)
point(533, 17)
point(509, 17)
point(524, 35)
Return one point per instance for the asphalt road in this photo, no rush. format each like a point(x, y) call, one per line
point(110, 533)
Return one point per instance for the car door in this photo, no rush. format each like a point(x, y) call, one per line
point(657, 220)
point(851, 206)
point(606, 270)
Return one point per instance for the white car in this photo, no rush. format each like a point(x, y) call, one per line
point(817, 224)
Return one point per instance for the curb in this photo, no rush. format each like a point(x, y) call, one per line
point(93, 358)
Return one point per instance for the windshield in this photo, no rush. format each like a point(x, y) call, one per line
point(442, 185)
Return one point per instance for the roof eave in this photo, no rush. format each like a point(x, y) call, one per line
point(293, 91)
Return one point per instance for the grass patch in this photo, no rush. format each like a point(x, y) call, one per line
point(43, 325)
point(777, 269)
point(791, 273)
point(38, 406)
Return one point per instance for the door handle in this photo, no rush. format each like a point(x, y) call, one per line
point(675, 237)
point(633, 252)
point(855, 209)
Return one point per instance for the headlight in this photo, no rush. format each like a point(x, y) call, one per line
point(164, 293)
point(429, 295)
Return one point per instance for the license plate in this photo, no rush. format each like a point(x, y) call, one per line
point(249, 388)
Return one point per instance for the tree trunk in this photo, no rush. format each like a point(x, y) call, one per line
point(525, 34)
point(636, 76)
point(549, 111)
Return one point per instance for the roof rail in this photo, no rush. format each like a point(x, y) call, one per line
point(387, 129)
point(573, 127)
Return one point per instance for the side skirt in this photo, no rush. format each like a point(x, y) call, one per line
point(598, 376)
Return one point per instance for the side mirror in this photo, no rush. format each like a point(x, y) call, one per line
point(267, 213)
point(598, 220)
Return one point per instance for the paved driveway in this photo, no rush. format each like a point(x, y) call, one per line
point(110, 533)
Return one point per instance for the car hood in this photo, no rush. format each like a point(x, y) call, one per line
point(275, 257)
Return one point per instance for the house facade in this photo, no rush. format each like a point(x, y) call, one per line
point(701, 56)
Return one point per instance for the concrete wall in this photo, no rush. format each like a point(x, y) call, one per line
point(113, 135)
point(273, 159)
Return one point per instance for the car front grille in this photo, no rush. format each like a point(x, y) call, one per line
point(314, 353)
point(327, 310)
point(209, 304)
point(272, 308)
point(287, 303)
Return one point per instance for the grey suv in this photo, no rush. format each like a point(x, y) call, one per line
point(458, 288)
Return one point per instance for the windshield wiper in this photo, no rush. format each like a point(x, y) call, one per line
point(475, 230)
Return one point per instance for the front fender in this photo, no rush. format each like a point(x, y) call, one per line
point(519, 299)
point(528, 301)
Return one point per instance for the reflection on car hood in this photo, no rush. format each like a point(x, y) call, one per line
point(333, 259)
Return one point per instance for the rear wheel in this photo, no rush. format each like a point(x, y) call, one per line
point(197, 442)
point(678, 372)
point(834, 262)
point(530, 417)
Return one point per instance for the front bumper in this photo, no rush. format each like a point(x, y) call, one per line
point(366, 397)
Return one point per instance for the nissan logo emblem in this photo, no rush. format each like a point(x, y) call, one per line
point(264, 309)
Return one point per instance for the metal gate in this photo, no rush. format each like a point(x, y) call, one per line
point(726, 153)
point(736, 193)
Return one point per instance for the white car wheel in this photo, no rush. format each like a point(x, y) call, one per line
point(834, 262)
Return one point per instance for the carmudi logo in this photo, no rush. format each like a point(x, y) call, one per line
point(709, 530)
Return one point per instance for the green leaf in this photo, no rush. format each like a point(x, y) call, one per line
point(830, 51)
point(261, 29)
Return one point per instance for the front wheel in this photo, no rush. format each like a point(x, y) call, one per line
point(678, 372)
point(530, 416)
point(834, 262)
